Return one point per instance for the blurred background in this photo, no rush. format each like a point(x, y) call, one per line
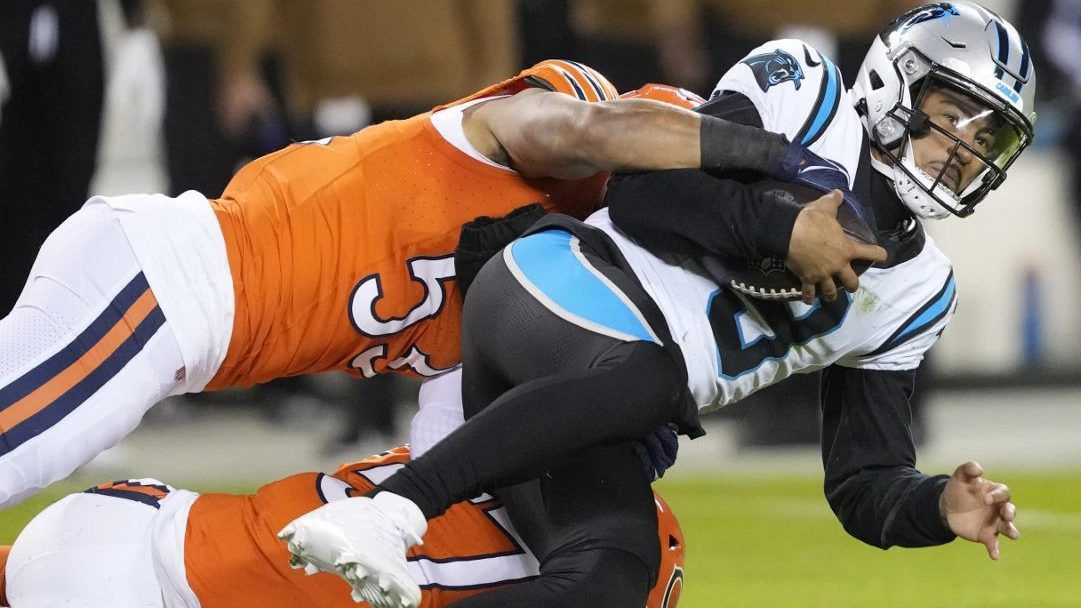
point(119, 96)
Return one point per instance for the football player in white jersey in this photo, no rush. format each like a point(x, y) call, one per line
point(585, 334)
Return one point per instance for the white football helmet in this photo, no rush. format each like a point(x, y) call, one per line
point(959, 76)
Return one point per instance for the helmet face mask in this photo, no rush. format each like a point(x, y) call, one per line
point(955, 145)
point(946, 95)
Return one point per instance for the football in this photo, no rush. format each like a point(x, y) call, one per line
point(768, 278)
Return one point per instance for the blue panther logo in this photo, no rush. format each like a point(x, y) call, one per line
point(922, 14)
point(775, 67)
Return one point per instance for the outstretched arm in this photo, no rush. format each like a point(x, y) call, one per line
point(872, 482)
point(547, 134)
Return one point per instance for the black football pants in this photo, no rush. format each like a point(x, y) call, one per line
point(536, 389)
point(552, 409)
point(592, 525)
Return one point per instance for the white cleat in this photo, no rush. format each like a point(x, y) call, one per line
point(364, 541)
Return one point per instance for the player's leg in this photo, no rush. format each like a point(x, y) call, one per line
point(572, 384)
point(83, 355)
point(592, 524)
point(569, 387)
point(86, 550)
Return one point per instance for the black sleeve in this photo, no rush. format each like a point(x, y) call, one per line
point(871, 481)
point(689, 211)
point(694, 212)
point(483, 237)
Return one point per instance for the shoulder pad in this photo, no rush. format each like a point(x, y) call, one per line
point(918, 326)
point(796, 89)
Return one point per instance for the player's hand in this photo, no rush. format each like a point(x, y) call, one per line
point(978, 509)
point(820, 252)
point(658, 450)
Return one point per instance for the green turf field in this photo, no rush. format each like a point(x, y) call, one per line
point(775, 543)
point(772, 542)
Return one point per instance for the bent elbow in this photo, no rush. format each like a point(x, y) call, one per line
point(854, 517)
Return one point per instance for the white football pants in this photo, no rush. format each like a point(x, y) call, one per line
point(84, 354)
point(440, 403)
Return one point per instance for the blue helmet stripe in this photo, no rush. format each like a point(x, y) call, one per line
point(578, 92)
point(1003, 49)
point(1024, 68)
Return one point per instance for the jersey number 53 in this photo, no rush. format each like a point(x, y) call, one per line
point(432, 273)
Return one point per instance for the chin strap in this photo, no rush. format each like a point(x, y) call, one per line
point(914, 186)
point(883, 168)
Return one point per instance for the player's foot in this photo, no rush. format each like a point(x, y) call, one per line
point(364, 541)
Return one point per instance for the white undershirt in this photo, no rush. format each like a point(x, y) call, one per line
point(448, 122)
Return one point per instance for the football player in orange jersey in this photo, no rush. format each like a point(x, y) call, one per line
point(143, 543)
point(335, 254)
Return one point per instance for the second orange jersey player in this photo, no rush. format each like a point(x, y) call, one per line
point(335, 254)
point(181, 549)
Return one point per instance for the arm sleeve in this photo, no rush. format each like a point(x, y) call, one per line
point(871, 479)
point(693, 212)
point(689, 211)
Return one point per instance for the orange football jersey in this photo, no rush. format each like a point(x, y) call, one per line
point(233, 558)
point(341, 250)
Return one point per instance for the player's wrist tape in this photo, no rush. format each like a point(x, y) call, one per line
point(728, 145)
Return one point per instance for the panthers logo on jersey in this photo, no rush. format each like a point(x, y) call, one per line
point(775, 67)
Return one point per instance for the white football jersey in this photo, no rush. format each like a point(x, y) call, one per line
point(733, 344)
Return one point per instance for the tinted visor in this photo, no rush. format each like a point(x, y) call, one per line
point(967, 138)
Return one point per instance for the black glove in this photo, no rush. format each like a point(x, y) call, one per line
point(486, 236)
point(658, 450)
